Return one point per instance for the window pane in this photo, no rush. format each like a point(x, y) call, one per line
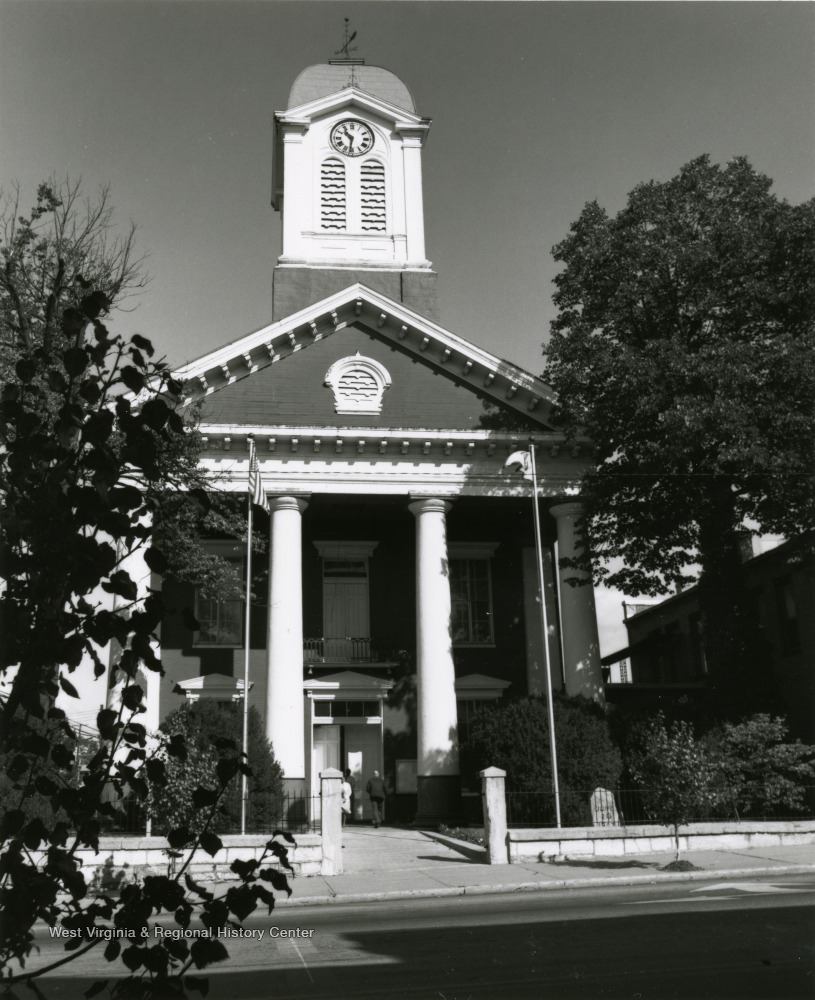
point(471, 612)
point(221, 622)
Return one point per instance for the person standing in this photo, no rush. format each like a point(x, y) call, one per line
point(345, 800)
point(376, 791)
point(352, 782)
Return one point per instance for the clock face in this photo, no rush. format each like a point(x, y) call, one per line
point(351, 137)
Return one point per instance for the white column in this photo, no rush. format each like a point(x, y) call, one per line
point(535, 661)
point(295, 204)
point(133, 563)
point(437, 721)
point(284, 646)
point(578, 618)
point(414, 199)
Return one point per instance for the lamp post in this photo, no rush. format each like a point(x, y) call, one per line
point(526, 461)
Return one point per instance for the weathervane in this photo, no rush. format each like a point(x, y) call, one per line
point(346, 49)
point(344, 52)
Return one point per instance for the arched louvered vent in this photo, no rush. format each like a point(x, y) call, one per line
point(358, 384)
point(332, 195)
point(372, 191)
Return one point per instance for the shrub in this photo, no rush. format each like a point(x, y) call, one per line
point(515, 737)
point(764, 774)
point(214, 731)
point(677, 773)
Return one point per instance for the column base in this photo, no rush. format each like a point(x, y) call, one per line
point(439, 799)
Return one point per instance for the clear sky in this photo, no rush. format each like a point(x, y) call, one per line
point(537, 108)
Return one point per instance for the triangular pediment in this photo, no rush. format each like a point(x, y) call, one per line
point(443, 352)
point(349, 683)
point(212, 687)
point(350, 97)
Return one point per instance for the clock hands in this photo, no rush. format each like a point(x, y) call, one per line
point(352, 138)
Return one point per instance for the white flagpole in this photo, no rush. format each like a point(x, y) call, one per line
point(545, 628)
point(246, 643)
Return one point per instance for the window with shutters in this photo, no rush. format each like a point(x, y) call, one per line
point(372, 197)
point(332, 195)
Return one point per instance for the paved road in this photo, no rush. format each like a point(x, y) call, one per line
point(733, 939)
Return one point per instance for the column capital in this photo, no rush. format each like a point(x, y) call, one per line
point(288, 503)
point(429, 505)
point(571, 508)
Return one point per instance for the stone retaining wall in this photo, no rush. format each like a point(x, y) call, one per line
point(505, 846)
point(548, 844)
point(120, 859)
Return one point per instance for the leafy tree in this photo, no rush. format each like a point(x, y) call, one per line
point(763, 773)
point(685, 348)
point(675, 772)
point(204, 725)
point(92, 448)
point(515, 737)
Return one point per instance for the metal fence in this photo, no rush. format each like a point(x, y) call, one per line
point(632, 806)
point(267, 812)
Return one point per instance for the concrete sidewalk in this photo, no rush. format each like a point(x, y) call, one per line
point(403, 863)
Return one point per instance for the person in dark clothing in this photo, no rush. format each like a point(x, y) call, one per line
point(376, 790)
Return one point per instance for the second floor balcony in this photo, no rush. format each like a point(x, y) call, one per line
point(359, 650)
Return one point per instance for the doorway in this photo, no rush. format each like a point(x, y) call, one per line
point(325, 753)
point(363, 756)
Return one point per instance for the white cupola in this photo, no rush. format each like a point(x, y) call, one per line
point(347, 179)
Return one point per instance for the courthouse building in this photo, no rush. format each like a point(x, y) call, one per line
point(401, 589)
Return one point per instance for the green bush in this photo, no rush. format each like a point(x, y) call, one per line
point(206, 725)
point(676, 773)
point(763, 775)
point(515, 737)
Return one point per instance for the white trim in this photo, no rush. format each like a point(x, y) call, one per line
point(213, 687)
point(305, 113)
point(350, 684)
point(345, 404)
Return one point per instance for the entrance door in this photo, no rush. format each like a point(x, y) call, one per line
point(363, 755)
point(325, 754)
point(345, 608)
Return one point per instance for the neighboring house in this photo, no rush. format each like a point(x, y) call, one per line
point(665, 655)
point(401, 589)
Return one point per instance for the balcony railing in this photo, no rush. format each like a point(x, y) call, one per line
point(348, 649)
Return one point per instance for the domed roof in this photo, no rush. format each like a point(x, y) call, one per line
point(322, 80)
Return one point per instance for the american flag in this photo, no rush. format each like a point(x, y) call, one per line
point(257, 493)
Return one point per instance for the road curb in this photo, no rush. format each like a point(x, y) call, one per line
point(554, 884)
